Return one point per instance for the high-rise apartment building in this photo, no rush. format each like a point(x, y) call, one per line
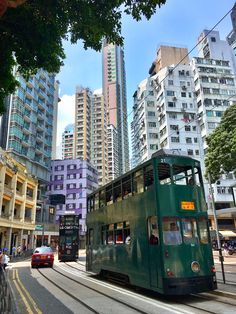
point(231, 38)
point(212, 47)
point(177, 110)
point(144, 127)
point(114, 91)
point(26, 130)
point(215, 86)
point(99, 136)
point(83, 104)
point(68, 142)
point(55, 120)
point(27, 124)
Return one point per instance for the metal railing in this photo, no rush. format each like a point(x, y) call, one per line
point(6, 299)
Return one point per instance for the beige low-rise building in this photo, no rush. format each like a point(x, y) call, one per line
point(18, 195)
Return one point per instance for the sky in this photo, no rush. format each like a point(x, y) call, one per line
point(177, 23)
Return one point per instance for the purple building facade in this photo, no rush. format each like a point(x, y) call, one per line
point(75, 179)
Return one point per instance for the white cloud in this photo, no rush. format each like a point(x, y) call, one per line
point(66, 114)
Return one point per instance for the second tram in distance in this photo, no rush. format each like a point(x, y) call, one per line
point(149, 228)
point(68, 238)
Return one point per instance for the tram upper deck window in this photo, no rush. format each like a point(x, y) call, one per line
point(203, 230)
point(126, 187)
point(164, 174)
point(138, 182)
point(117, 191)
point(198, 176)
point(171, 231)
point(189, 226)
point(148, 176)
point(182, 175)
point(102, 199)
point(109, 195)
point(96, 201)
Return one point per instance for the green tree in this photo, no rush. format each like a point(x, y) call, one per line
point(31, 35)
point(221, 152)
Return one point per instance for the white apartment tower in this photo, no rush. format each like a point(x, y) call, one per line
point(176, 104)
point(144, 127)
point(215, 89)
point(212, 47)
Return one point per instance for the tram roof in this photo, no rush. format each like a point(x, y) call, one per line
point(170, 152)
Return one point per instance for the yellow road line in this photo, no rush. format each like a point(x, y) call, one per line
point(21, 294)
point(28, 295)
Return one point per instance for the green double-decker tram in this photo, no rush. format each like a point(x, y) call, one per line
point(149, 227)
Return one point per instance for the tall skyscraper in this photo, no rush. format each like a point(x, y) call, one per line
point(114, 90)
point(27, 125)
point(27, 129)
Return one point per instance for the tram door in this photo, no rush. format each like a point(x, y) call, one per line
point(153, 248)
point(89, 257)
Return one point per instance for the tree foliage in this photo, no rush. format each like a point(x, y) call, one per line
point(32, 34)
point(221, 152)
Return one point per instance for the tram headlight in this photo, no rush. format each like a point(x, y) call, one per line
point(195, 267)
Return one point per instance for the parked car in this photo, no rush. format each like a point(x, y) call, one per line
point(42, 256)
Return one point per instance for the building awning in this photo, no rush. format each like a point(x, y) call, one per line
point(228, 234)
point(225, 211)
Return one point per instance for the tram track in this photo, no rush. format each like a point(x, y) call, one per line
point(90, 288)
point(182, 303)
point(200, 296)
point(69, 294)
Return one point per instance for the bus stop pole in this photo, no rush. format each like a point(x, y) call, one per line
point(221, 258)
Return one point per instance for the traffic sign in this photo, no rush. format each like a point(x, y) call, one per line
point(39, 227)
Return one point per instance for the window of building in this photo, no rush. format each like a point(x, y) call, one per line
point(175, 139)
point(213, 39)
point(171, 104)
point(170, 93)
point(183, 94)
point(188, 140)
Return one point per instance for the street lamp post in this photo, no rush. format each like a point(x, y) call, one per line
point(221, 258)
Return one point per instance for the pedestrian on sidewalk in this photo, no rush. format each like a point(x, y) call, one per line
point(5, 260)
point(18, 251)
point(14, 251)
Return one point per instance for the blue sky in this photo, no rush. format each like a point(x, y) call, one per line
point(178, 22)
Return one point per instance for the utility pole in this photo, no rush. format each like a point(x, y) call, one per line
point(221, 258)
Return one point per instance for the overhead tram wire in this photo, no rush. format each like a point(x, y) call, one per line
point(128, 114)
